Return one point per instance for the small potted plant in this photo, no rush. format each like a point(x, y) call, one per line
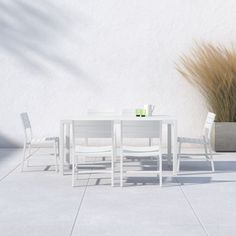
point(212, 69)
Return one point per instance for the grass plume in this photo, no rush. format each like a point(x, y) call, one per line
point(212, 69)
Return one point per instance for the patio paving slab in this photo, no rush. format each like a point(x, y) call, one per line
point(40, 201)
point(37, 201)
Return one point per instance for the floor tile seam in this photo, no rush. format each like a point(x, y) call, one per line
point(10, 172)
point(190, 205)
point(79, 207)
point(17, 166)
point(193, 210)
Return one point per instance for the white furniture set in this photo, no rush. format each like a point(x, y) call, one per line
point(117, 129)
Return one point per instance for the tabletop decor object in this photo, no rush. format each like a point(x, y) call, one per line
point(143, 113)
point(138, 112)
point(212, 69)
point(149, 108)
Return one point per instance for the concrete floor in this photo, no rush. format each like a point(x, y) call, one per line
point(42, 202)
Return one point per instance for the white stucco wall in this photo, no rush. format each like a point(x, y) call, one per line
point(58, 58)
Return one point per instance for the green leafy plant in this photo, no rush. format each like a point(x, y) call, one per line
point(212, 69)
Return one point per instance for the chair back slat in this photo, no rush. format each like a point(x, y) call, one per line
point(141, 129)
point(27, 126)
point(93, 129)
point(208, 125)
point(25, 120)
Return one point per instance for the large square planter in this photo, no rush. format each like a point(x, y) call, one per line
point(225, 136)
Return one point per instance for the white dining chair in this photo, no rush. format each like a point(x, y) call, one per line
point(31, 142)
point(132, 112)
point(104, 113)
point(102, 129)
point(204, 140)
point(138, 130)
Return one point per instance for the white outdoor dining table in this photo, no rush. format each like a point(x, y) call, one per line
point(171, 122)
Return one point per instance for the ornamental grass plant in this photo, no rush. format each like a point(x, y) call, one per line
point(212, 69)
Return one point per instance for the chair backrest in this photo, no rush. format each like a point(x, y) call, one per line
point(95, 112)
point(208, 125)
point(141, 129)
point(27, 126)
point(92, 129)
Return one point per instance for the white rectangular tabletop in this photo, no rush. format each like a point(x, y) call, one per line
point(121, 117)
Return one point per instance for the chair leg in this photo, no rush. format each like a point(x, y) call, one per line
point(112, 169)
point(29, 155)
point(73, 175)
point(55, 154)
point(121, 170)
point(58, 155)
point(23, 158)
point(58, 148)
point(160, 169)
point(150, 144)
point(206, 153)
point(178, 157)
point(211, 159)
point(77, 168)
point(74, 164)
point(212, 165)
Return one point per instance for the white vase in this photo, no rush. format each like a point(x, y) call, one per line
point(149, 108)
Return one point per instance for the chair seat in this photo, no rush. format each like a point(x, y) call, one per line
point(191, 140)
point(140, 154)
point(45, 140)
point(141, 151)
point(93, 149)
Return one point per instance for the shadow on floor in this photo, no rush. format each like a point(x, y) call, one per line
point(5, 154)
point(220, 166)
point(6, 142)
point(196, 167)
point(198, 180)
